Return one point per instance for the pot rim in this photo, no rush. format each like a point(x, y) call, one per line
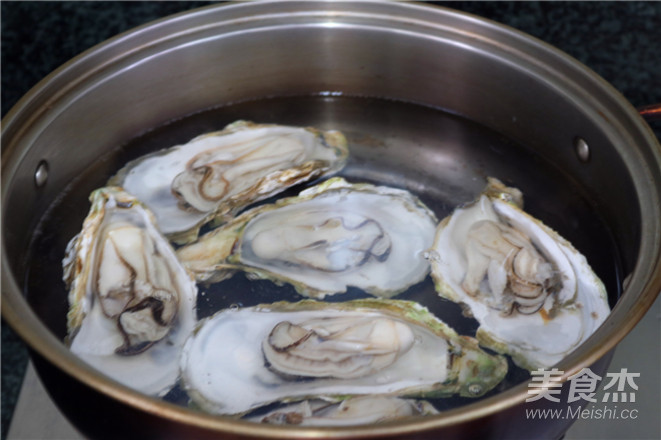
point(627, 312)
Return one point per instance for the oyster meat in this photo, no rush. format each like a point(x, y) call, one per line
point(216, 174)
point(239, 360)
point(331, 236)
point(132, 304)
point(534, 295)
point(353, 411)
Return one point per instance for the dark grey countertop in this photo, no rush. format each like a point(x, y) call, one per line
point(618, 40)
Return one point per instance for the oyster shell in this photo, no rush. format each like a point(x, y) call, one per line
point(534, 295)
point(226, 371)
point(329, 237)
point(353, 411)
point(132, 304)
point(217, 174)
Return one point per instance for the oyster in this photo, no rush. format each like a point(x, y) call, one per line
point(132, 304)
point(238, 360)
point(331, 236)
point(217, 174)
point(534, 295)
point(353, 411)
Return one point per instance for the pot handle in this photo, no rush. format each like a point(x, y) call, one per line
point(650, 112)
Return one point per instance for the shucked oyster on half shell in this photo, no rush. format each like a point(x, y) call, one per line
point(238, 360)
point(329, 237)
point(534, 295)
point(360, 410)
point(132, 304)
point(217, 174)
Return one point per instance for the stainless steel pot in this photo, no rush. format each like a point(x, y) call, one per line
point(497, 77)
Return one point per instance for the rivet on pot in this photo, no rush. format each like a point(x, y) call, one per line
point(41, 174)
point(625, 283)
point(582, 149)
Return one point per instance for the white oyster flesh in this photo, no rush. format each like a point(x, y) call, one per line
point(533, 293)
point(361, 410)
point(239, 360)
point(132, 305)
point(217, 174)
point(344, 347)
point(330, 237)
